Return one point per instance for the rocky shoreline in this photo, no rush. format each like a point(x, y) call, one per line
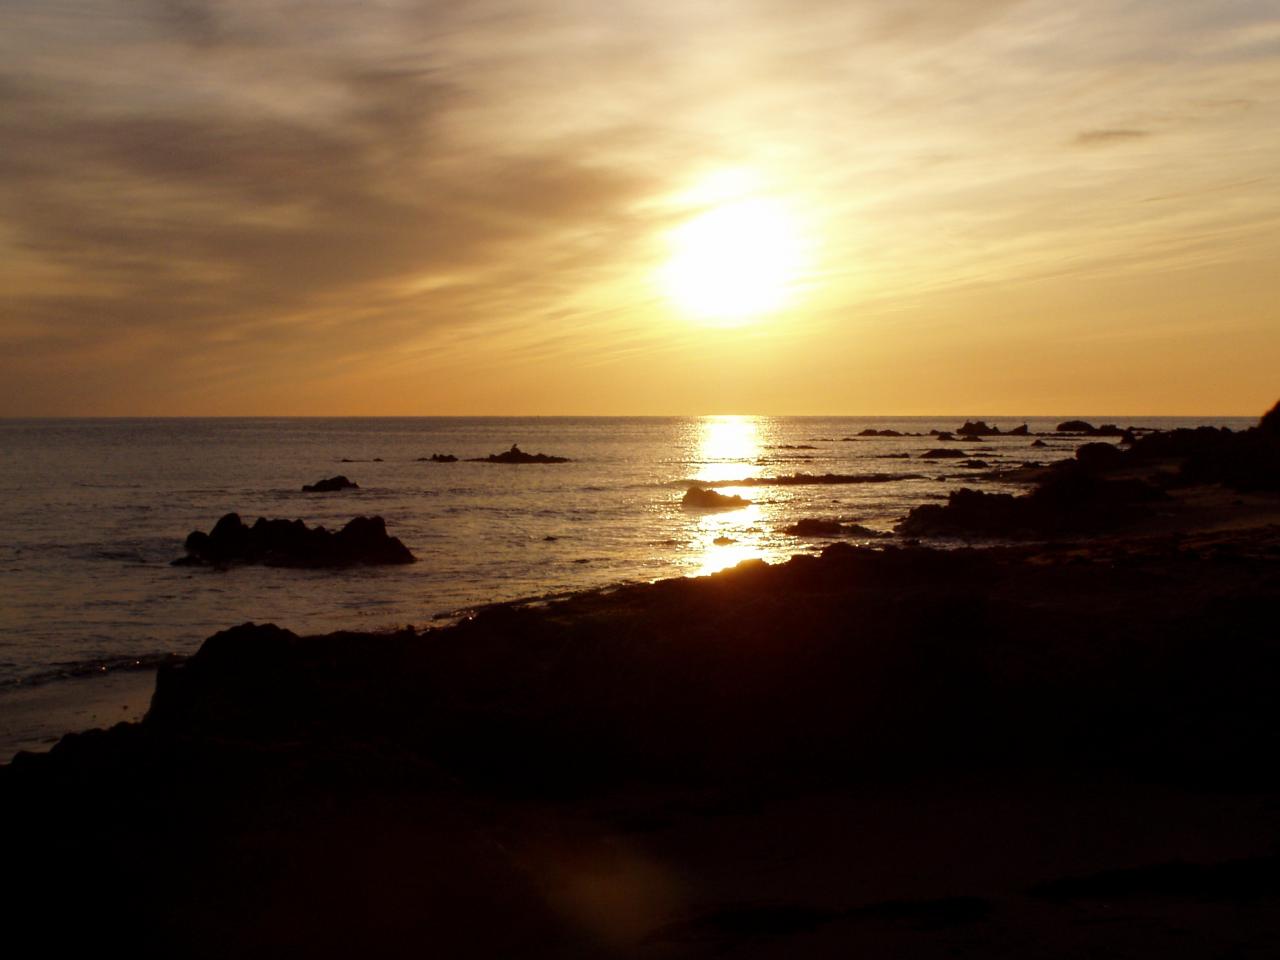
point(1059, 748)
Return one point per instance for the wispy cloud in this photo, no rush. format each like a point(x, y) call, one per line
point(201, 200)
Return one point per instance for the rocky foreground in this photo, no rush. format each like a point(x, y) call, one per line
point(1056, 749)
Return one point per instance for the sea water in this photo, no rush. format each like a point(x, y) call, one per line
point(93, 511)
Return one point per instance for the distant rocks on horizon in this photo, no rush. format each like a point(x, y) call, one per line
point(516, 455)
point(439, 458)
point(291, 543)
point(331, 485)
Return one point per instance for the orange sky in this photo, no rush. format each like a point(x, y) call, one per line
point(404, 207)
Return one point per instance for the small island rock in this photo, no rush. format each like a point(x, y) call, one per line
point(329, 486)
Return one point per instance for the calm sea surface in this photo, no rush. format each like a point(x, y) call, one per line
point(93, 511)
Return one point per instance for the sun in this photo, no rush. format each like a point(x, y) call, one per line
point(734, 263)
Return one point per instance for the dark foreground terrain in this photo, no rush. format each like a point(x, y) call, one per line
point(1043, 750)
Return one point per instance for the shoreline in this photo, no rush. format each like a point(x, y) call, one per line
point(30, 713)
point(1052, 748)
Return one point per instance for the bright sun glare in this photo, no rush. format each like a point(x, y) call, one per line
point(734, 263)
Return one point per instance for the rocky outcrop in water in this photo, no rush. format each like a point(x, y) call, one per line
point(943, 453)
point(704, 499)
point(331, 485)
point(439, 458)
point(977, 428)
point(516, 455)
point(291, 543)
point(815, 527)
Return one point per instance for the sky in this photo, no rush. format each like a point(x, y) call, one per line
point(406, 207)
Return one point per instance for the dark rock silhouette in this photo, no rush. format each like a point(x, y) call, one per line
point(291, 543)
point(1071, 500)
point(974, 463)
point(943, 453)
point(871, 432)
point(1099, 455)
point(368, 794)
point(1269, 425)
point(1075, 426)
point(1021, 431)
point(705, 499)
point(1038, 443)
point(814, 527)
point(977, 428)
point(439, 458)
point(516, 455)
point(329, 486)
point(942, 434)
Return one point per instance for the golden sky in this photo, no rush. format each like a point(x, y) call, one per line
point(538, 207)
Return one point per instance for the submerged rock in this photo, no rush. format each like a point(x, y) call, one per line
point(706, 499)
point(516, 455)
point(943, 453)
point(291, 543)
point(329, 486)
point(439, 458)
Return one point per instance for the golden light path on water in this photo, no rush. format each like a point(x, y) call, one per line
point(729, 448)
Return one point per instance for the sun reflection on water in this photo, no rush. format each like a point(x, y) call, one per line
point(728, 449)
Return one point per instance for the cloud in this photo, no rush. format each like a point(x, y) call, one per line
point(1101, 138)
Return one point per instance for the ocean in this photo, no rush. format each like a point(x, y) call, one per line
point(93, 511)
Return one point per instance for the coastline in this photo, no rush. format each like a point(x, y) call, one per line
point(31, 712)
point(1053, 748)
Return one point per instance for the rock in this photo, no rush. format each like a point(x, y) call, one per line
point(813, 527)
point(1070, 500)
point(975, 463)
point(516, 455)
point(1021, 431)
point(329, 486)
point(291, 543)
point(723, 541)
point(1038, 443)
point(1075, 426)
point(704, 499)
point(1270, 422)
point(941, 434)
point(871, 432)
point(439, 458)
point(977, 428)
point(1098, 455)
point(943, 453)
